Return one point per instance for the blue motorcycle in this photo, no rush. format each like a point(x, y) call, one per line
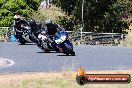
point(61, 41)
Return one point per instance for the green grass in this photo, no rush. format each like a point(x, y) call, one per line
point(52, 81)
point(59, 83)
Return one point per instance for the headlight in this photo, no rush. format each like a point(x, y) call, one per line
point(63, 38)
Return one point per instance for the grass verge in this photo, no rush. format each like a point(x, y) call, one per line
point(55, 80)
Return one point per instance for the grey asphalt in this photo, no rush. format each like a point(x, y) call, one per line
point(29, 58)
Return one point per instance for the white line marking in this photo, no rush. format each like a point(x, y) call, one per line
point(6, 62)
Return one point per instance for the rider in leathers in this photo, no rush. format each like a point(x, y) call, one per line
point(52, 30)
point(17, 25)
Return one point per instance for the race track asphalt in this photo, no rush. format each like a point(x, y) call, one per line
point(29, 58)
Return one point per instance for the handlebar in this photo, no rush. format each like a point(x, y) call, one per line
point(26, 27)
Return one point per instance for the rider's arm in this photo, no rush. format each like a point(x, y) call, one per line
point(60, 28)
point(13, 26)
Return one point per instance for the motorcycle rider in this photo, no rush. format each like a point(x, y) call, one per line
point(31, 22)
point(52, 28)
point(33, 32)
point(52, 31)
point(17, 24)
point(63, 44)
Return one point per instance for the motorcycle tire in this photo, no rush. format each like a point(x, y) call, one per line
point(70, 50)
point(73, 53)
point(46, 51)
point(67, 54)
point(22, 42)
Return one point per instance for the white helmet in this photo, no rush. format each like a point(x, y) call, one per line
point(17, 18)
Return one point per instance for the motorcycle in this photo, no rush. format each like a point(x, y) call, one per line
point(22, 35)
point(62, 42)
point(59, 43)
point(45, 42)
point(27, 35)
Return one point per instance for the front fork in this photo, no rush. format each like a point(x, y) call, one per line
point(64, 48)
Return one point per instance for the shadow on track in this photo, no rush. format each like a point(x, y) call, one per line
point(47, 52)
point(64, 55)
point(27, 44)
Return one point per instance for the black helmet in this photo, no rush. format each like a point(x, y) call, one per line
point(32, 22)
point(48, 22)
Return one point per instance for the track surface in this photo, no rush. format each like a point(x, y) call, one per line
point(29, 58)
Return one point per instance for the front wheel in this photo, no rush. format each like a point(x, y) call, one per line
point(69, 50)
point(22, 42)
point(73, 53)
point(46, 51)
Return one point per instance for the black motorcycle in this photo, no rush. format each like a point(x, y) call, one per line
point(46, 44)
point(22, 35)
point(28, 35)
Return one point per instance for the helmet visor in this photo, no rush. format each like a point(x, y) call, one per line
point(17, 20)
